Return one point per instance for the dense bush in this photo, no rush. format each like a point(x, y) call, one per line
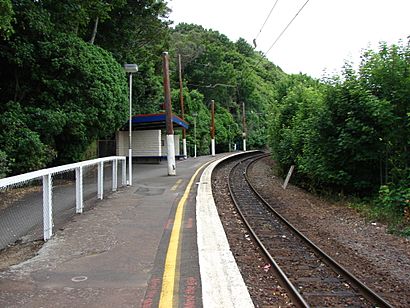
point(346, 134)
point(3, 164)
point(70, 93)
point(61, 77)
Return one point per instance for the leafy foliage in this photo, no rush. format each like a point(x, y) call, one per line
point(63, 94)
point(345, 134)
point(228, 73)
point(3, 164)
point(63, 87)
point(6, 18)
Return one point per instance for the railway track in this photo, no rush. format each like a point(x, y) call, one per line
point(310, 276)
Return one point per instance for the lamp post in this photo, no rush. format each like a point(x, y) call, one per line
point(194, 115)
point(130, 68)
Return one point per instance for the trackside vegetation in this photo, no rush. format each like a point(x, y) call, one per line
point(350, 134)
point(63, 87)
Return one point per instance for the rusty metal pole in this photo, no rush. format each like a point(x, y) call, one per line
point(212, 128)
point(168, 116)
point(181, 100)
point(244, 126)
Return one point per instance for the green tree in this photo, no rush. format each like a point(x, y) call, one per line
point(386, 74)
point(6, 18)
point(18, 143)
point(69, 92)
point(231, 74)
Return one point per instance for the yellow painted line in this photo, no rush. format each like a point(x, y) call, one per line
point(168, 279)
point(174, 188)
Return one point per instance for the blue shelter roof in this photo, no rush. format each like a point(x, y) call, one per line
point(155, 121)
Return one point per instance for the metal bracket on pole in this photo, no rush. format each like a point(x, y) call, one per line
point(79, 190)
point(47, 207)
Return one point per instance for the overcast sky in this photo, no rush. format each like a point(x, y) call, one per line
point(322, 37)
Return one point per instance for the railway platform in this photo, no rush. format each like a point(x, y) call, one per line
point(158, 243)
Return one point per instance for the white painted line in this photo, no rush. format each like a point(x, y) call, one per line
point(222, 283)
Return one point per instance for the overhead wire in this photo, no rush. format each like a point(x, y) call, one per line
point(264, 23)
point(284, 30)
point(279, 36)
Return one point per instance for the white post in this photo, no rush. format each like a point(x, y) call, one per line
point(130, 167)
point(79, 190)
point(288, 176)
point(213, 147)
point(130, 137)
point(244, 144)
point(114, 175)
point(124, 172)
point(100, 180)
point(184, 148)
point(47, 207)
point(171, 155)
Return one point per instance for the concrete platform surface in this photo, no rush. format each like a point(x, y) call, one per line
point(130, 250)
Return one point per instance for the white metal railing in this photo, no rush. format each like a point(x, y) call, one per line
point(46, 175)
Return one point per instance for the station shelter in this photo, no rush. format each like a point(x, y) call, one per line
point(149, 137)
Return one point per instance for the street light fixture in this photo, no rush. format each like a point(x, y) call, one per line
point(130, 68)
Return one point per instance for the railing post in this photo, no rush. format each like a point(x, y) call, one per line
point(47, 207)
point(100, 188)
point(114, 175)
point(124, 172)
point(79, 190)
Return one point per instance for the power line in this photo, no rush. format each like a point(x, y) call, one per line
point(277, 39)
point(283, 31)
point(271, 10)
point(212, 85)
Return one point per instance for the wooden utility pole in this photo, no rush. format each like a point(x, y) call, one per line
point(244, 126)
point(212, 128)
point(168, 116)
point(181, 100)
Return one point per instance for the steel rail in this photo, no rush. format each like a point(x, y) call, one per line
point(366, 291)
point(293, 293)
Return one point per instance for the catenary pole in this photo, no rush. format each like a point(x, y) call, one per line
point(244, 126)
point(168, 116)
point(181, 100)
point(212, 128)
point(195, 136)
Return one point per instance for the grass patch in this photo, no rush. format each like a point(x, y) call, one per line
point(392, 217)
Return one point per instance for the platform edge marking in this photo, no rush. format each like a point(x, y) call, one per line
point(168, 278)
point(221, 280)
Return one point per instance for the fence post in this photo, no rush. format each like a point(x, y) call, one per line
point(100, 180)
point(79, 190)
point(114, 175)
point(47, 207)
point(124, 172)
